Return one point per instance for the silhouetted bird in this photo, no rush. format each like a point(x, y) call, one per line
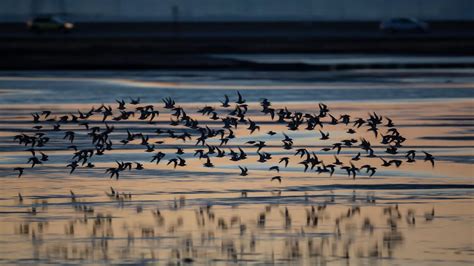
point(241, 99)
point(20, 171)
point(286, 160)
point(276, 168)
point(208, 163)
point(429, 157)
point(276, 178)
point(323, 135)
point(243, 171)
point(225, 103)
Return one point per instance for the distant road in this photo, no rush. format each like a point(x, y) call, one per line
point(260, 30)
point(185, 45)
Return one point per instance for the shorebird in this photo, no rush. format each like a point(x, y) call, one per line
point(351, 170)
point(337, 162)
point(208, 163)
point(139, 166)
point(356, 158)
point(286, 160)
point(223, 122)
point(243, 171)
point(34, 161)
point(253, 126)
point(370, 169)
point(410, 155)
point(241, 99)
point(73, 166)
point(44, 157)
point(276, 178)
point(275, 168)
point(429, 216)
point(389, 122)
point(134, 101)
point(20, 171)
point(225, 103)
point(429, 157)
point(169, 103)
point(324, 136)
point(121, 104)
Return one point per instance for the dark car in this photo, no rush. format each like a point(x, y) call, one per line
point(49, 23)
point(404, 25)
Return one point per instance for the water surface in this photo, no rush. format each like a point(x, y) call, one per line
point(201, 215)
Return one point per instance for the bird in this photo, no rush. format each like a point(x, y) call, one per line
point(356, 158)
point(276, 178)
point(73, 166)
point(351, 170)
point(253, 126)
point(208, 163)
point(370, 169)
point(337, 162)
point(275, 168)
point(351, 131)
point(173, 161)
point(337, 146)
point(324, 136)
point(429, 157)
point(334, 121)
point(44, 157)
point(138, 166)
point(389, 122)
point(396, 162)
point(34, 161)
point(134, 101)
point(345, 118)
point(121, 104)
point(20, 171)
point(241, 99)
point(429, 216)
point(225, 103)
point(169, 103)
point(286, 160)
point(306, 165)
point(410, 155)
point(157, 157)
point(243, 171)
point(221, 130)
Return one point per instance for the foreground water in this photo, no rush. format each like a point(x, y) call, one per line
point(414, 214)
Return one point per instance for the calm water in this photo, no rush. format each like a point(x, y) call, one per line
point(200, 215)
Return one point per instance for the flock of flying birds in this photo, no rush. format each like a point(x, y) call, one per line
point(230, 117)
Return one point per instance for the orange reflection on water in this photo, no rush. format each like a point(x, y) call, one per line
point(248, 220)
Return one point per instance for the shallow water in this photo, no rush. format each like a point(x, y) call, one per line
point(204, 216)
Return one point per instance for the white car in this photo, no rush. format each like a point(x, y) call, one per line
point(404, 25)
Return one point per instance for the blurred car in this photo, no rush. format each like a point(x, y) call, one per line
point(49, 23)
point(404, 25)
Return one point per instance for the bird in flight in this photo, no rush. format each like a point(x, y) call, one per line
point(243, 171)
point(430, 158)
point(278, 178)
point(20, 171)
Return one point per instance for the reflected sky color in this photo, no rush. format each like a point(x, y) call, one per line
point(362, 221)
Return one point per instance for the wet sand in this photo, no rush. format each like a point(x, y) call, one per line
point(201, 215)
